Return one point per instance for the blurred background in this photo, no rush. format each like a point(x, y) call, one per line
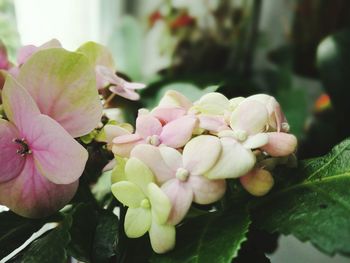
point(295, 50)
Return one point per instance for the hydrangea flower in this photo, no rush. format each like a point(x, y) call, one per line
point(181, 175)
point(35, 154)
point(148, 207)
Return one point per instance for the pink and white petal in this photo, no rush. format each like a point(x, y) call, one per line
point(151, 156)
point(134, 85)
point(124, 92)
point(212, 123)
point(256, 141)
point(171, 157)
point(58, 157)
point(234, 161)
point(280, 144)
point(124, 144)
point(148, 125)
point(168, 114)
point(174, 98)
point(106, 74)
point(31, 195)
point(11, 163)
point(201, 153)
point(63, 86)
point(113, 131)
point(162, 237)
point(250, 116)
point(25, 52)
point(178, 132)
point(19, 106)
point(206, 191)
point(180, 195)
point(137, 222)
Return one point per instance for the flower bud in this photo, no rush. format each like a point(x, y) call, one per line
point(258, 182)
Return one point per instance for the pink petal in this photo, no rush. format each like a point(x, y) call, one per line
point(168, 114)
point(134, 85)
point(31, 195)
point(178, 132)
point(25, 52)
point(147, 125)
point(19, 106)
point(180, 195)
point(113, 131)
point(250, 116)
point(123, 145)
point(63, 86)
point(280, 144)
point(11, 163)
point(125, 93)
point(151, 156)
point(58, 157)
point(206, 191)
point(212, 123)
point(171, 157)
point(201, 153)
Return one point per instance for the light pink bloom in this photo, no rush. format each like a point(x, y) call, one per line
point(149, 130)
point(40, 162)
point(118, 85)
point(180, 176)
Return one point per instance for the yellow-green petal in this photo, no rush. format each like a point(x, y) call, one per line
point(160, 203)
point(137, 222)
point(162, 237)
point(128, 193)
point(138, 173)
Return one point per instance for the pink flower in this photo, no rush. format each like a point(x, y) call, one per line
point(181, 175)
point(40, 162)
point(149, 130)
point(118, 85)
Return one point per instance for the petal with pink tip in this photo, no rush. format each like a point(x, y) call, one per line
point(11, 163)
point(19, 106)
point(250, 116)
point(206, 191)
point(113, 131)
point(58, 157)
point(174, 98)
point(280, 144)
point(256, 141)
point(124, 92)
point(178, 132)
point(201, 153)
point(181, 196)
point(123, 145)
point(31, 195)
point(151, 156)
point(147, 125)
point(212, 123)
point(234, 161)
point(168, 114)
point(63, 86)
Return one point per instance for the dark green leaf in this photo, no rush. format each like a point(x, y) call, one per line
point(316, 207)
point(209, 238)
point(14, 231)
point(50, 248)
point(106, 237)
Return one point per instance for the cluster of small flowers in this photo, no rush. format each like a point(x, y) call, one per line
point(183, 152)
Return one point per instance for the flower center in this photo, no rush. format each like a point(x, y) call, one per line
point(24, 148)
point(145, 203)
point(182, 174)
point(240, 135)
point(153, 140)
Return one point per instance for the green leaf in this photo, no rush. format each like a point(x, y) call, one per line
point(316, 207)
point(82, 232)
point(333, 60)
point(52, 247)
point(209, 238)
point(106, 237)
point(14, 231)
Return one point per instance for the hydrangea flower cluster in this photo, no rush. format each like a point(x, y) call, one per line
point(182, 152)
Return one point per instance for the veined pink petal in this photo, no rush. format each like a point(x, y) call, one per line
point(180, 195)
point(201, 153)
point(58, 157)
point(127, 138)
point(178, 132)
point(25, 52)
point(148, 125)
point(11, 163)
point(206, 191)
point(151, 156)
point(31, 195)
point(250, 116)
point(63, 86)
point(125, 93)
point(168, 114)
point(280, 144)
point(19, 106)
